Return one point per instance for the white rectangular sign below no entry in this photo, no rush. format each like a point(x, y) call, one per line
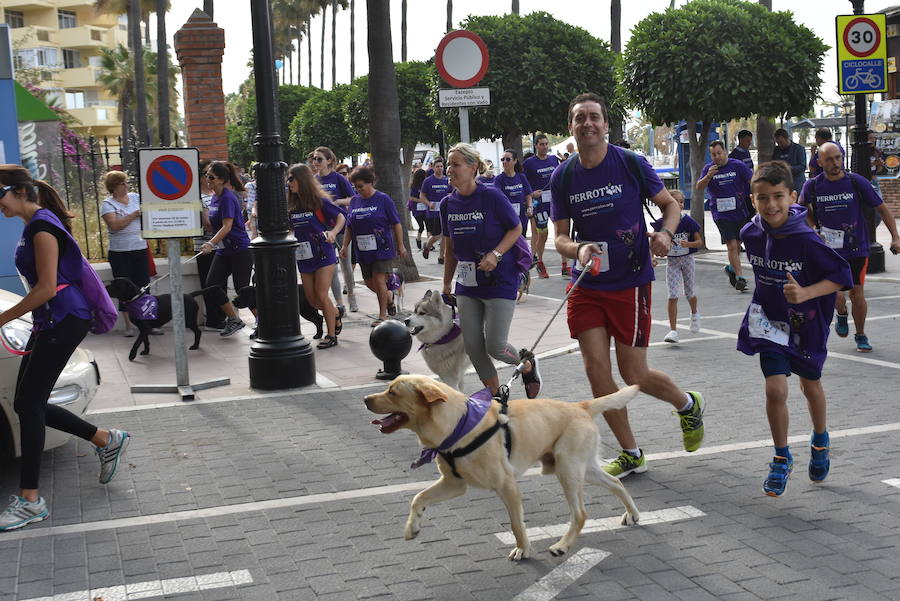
point(464, 97)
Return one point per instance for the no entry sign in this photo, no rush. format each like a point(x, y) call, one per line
point(170, 192)
point(461, 58)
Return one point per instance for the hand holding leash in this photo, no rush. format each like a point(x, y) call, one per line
point(161, 278)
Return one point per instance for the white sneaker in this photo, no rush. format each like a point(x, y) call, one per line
point(130, 332)
point(672, 336)
point(695, 322)
point(354, 307)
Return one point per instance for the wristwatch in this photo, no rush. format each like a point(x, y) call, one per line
point(497, 254)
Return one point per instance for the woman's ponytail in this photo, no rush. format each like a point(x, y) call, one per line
point(49, 199)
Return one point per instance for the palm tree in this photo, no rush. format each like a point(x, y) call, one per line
point(403, 31)
point(208, 8)
point(515, 7)
point(615, 41)
point(162, 75)
point(384, 132)
point(765, 127)
point(120, 7)
point(353, 39)
point(449, 15)
point(134, 31)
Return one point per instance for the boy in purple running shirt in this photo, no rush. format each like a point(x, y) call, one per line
point(787, 322)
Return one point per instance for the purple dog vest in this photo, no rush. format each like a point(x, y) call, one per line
point(143, 308)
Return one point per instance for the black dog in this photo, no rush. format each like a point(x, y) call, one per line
point(128, 292)
point(246, 299)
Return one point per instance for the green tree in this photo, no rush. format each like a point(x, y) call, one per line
point(717, 75)
point(415, 108)
point(241, 122)
point(563, 61)
point(320, 122)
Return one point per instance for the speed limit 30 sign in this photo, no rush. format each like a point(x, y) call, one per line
point(862, 54)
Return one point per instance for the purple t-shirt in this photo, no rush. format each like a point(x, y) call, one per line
point(729, 190)
point(313, 251)
point(487, 180)
point(771, 323)
point(415, 205)
point(838, 211)
point(435, 189)
point(476, 224)
point(605, 205)
point(743, 155)
point(372, 220)
point(685, 231)
point(515, 188)
point(337, 185)
point(538, 172)
point(227, 206)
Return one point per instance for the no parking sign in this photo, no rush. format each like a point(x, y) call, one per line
point(170, 192)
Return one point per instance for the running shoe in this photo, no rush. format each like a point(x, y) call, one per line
point(232, 325)
point(419, 243)
point(672, 337)
point(532, 380)
point(626, 464)
point(732, 276)
point(426, 251)
point(542, 270)
point(819, 463)
point(779, 471)
point(740, 283)
point(566, 270)
point(21, 513)
point(841, 327)
point(354, 307)
point(695, 322)
point(692, 429)
point(862, 343)
point(111, 454)
point(130, 332)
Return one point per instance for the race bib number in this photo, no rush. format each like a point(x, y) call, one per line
point(366, 242)
point(420, 206)
point(545, 195)
point(304, 251)
point(726, 204)
point(517, 208)
point(833, 238)
point(677, 250)
point(604, 257)
point(541, 217)
point(760, 326)
point(465, 273)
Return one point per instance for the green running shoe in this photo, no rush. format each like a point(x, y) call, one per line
point(625, 464)
point(692, 423)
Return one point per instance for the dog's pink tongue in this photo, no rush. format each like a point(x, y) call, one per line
point(388, 421)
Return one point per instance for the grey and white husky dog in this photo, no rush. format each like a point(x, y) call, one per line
point(433, 323)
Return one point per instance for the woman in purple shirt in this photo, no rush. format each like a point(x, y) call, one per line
point(316, 222)
point(341, 192)
point(230, 241)
point(514, 185)
point(374, 227)
point(47, 257)
point(480, 230)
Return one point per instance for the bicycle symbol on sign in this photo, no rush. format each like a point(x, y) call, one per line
point(869, 79)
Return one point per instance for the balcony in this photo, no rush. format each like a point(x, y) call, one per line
point(80, 77)
point(32, 35)
point(29, 4)
point(86, 36)
point(96, 116)
point(70, 4)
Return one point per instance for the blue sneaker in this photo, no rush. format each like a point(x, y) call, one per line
point(776, 481)
point(862, 343)
point(841, 327)
point(819, 463)
point(732, 276)
point(21, 513)
point(111, 454)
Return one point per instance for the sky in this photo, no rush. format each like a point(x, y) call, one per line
point(426, 20)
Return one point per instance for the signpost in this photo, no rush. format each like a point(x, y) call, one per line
point(862, 69)
point(170, 208)
point(462, 61)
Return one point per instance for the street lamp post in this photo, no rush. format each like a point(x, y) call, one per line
point(280, 357)
point(862, 166)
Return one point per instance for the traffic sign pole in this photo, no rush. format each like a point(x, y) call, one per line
point(464, 124)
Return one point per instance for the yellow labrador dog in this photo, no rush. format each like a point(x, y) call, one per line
point(562, 436)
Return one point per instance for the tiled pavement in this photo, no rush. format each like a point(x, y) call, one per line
point(297, 489)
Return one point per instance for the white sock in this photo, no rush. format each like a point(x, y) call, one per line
point(636, 453)
point(688, 405)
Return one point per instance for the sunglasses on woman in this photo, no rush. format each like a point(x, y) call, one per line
point(6, 189)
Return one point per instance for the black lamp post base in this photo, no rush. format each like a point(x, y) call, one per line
point(876, 258)
point(279, 366)
point(391, 370)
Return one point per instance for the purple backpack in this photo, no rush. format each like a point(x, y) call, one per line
point(522, 255)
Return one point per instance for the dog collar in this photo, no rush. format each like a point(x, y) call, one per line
point(453, 333)
point(477, 406)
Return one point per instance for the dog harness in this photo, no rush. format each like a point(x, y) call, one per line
point(143, 308)
point(477, 406)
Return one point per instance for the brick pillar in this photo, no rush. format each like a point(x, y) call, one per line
point(890, 191)
point(199, 46)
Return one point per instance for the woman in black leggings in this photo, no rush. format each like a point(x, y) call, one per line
point(49, 259)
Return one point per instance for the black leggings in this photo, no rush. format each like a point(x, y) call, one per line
point(237, 266)
point(38, 371)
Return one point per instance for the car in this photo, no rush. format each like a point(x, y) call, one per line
point(75, 388)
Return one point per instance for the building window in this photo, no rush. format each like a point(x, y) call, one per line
point(96, 35)
point(71, 59)
point(43, 35)
point(123, 22)
point(15, 18)
point(66, 19)
point(74, 100)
